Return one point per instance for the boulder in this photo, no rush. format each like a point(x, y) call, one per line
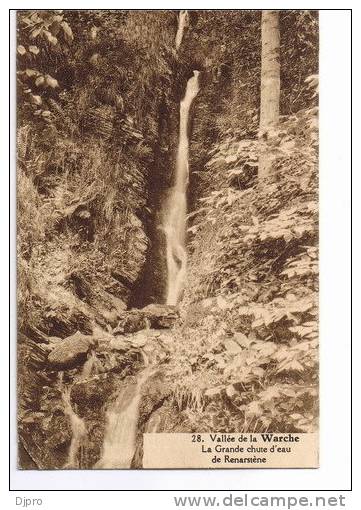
point(92, 394)
point(160, 316)
point(131, 322)
point(152, 316)
point(154, 393)
point(119, 343)
point(71, 352)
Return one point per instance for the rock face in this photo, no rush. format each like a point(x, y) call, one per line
point(160, 316)
point(97, 369)
point(131, 321)
point(92, 393)
point(71, 351)
point(152, 316)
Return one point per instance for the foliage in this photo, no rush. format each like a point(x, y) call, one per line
point(251, 306)
point(227, 48)
point(90, 84)
point(97, 92)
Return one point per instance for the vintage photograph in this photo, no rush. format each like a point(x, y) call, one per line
point(167, 231)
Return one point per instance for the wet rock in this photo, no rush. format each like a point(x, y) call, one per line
point(71, 352)
point(46, 444)
point(103, 338)
point(119, 343)
point(59, 434)
point(153, 424)
point(121, 361)
point(140, 339)
point(154, 394)
point(152, 316)
point(92, 394)
point(131, 322)
point(160, 316)
point(167, 418)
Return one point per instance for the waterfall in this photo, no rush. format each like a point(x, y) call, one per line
point(121, 427)
point(78, 430)
point(175, 211)
point(183, 21)
point(120, 434)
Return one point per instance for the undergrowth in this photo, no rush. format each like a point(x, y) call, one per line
point(90, 85)
point(249, 341)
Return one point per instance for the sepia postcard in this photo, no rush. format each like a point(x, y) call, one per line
point(167, 239)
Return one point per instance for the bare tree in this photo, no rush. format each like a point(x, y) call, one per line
point(270, 82)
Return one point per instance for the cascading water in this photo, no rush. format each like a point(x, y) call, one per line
point(121, 429)
point(120, 435)
point(183, 22)
point(78, 430)
point(175, 212)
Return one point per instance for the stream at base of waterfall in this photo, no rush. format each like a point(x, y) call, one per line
point(121, 430)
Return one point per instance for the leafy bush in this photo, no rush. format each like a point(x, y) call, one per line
point(253, 272)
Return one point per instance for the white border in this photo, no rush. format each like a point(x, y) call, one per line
point(335, 298)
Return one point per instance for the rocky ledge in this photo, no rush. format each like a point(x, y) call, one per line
point(92, 370)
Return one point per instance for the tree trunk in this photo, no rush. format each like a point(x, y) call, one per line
point(270, 83)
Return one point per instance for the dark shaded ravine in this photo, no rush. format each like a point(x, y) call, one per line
point(120, 436)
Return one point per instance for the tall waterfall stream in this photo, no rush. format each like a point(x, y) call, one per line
point(122, 416)
point(183, 21)
point(175, 212)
